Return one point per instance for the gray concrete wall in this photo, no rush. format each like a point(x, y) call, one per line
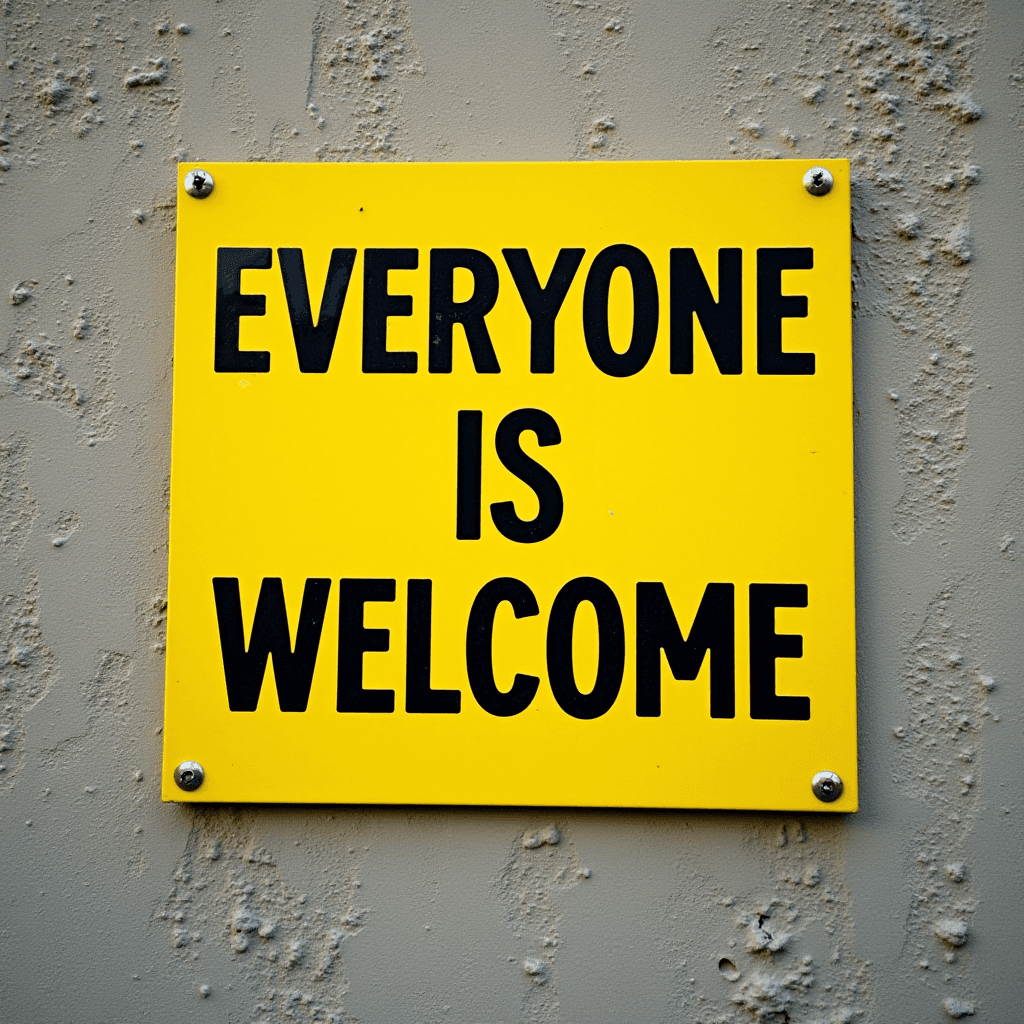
point(116, 907)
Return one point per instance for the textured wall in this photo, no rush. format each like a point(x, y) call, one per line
point(118, 908)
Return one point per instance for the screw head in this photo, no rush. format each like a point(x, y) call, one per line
point(189, 775)
point(198, 183)
point(827, 786)
point(818, 181)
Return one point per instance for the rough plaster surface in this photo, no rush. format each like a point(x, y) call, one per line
point(119, 908)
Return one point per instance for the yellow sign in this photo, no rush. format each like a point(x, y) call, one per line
point(513, 484)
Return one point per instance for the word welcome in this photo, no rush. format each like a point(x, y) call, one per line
point(711, 633)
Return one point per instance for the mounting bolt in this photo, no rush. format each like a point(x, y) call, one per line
point(199, 183)
point(818, 181)
point(826, 786)
point(189, 775)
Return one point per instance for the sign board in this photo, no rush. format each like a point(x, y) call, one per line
point(513, 484)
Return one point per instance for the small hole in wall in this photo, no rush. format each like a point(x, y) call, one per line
point(728, 969)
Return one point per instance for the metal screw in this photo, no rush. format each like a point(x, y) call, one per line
point(189, 775)
point(827, 786)
point(819, 181)
point(199, 183)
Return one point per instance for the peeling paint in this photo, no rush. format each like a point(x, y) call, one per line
point(228, 891)
point(588, 41)
point(542, 869)
point(28, 669)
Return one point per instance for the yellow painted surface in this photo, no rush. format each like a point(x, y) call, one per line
point(683, 479)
